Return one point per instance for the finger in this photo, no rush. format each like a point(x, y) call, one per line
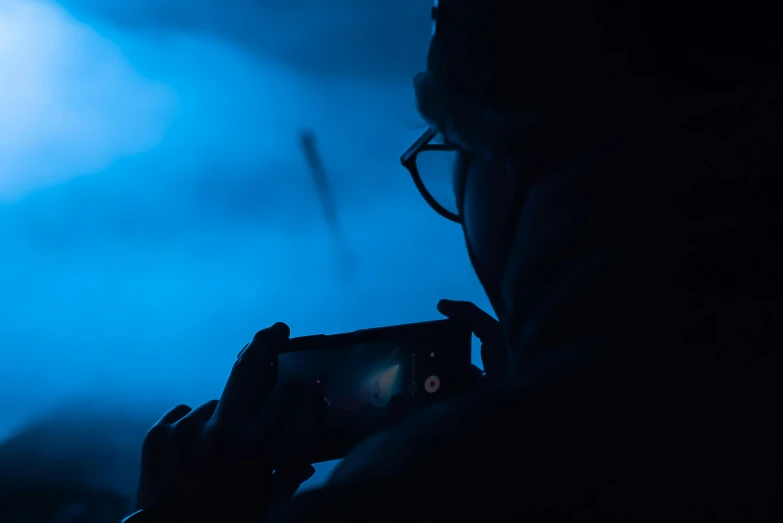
point(485, 327)
point(153, 457)
point(288, 479)
point(174, 415)
point(199, 415)
point(495, 359)
point(154, 449)
point(287, 418)
point(253, 376)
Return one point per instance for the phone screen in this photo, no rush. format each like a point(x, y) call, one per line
point(371, 379)
point(356, 377)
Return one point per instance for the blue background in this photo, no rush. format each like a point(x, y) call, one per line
point(156, 210)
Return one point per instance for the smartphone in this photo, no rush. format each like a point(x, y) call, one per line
point(373, 378)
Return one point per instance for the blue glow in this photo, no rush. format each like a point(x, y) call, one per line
point(155, 209)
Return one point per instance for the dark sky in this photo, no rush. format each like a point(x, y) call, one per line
point(155, 208)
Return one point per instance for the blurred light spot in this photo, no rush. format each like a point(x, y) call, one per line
point(70, 103)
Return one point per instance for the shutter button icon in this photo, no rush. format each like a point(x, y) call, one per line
point(432, 384)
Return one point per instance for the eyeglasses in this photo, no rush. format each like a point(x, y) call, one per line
point(430, 162)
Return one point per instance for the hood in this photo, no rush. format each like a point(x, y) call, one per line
point(660, 256)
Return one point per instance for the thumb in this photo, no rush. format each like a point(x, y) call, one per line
point(485, 327)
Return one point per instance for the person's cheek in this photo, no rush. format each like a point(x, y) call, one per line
point(489, 193)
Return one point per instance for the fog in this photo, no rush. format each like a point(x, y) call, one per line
point(156, 209)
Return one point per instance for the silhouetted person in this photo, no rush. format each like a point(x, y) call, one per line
point(617, 181)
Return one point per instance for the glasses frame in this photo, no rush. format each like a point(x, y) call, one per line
point(408, 160)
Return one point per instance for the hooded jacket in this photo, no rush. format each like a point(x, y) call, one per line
point(643, 314)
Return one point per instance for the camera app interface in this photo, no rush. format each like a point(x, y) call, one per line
point(362, 377)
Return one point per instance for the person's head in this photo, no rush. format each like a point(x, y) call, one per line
point(518, 89)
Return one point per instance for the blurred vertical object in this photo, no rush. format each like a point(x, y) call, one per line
point(323, 187)
point(321, 181)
